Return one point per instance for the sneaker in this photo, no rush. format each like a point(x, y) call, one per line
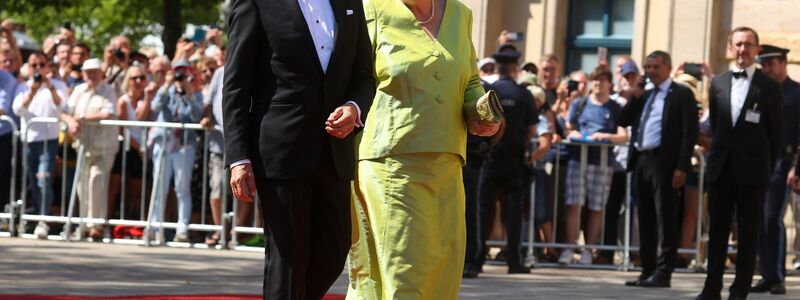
point(41, 231)
point(796, 264)
point(181, 237)
point(586, 257)
point(566, 257)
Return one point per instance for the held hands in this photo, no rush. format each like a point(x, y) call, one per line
point(243, 182)
point(342, 121)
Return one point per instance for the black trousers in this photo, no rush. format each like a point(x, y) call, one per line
point(616, 197)
point(308, 227)
point(471, 174)
point(772, 243)
point(6, 144)
point(510, 188)
point(725, 198)
point(657, 207)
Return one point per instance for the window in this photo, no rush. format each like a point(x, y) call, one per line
point(598, 23)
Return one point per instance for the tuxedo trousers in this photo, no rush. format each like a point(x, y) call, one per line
point(725, 198)
point(307, 224)
point(409, 230)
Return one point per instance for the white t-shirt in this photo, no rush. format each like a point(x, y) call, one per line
point(41, 106)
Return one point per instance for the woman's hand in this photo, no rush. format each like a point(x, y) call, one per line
point(481, 129)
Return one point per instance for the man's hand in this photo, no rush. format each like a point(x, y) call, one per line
point(599, 136)
point(73, 126)
point(243, 182)
point(678, 179)
point(793, 181)
point(342, 121)
point(481, 129)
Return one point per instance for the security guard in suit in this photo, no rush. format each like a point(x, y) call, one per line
point(503, 172)
point(772, 244)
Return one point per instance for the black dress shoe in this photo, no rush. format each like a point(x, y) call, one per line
point(658, 280)
point(638, 280)
point(736, 297)
point(706, 297)
point(470, 273)
point(778, 288)
point(518, 269)
point(761, 287)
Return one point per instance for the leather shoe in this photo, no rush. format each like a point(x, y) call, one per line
point(518, 269)
point(658, 280)
point(736, 297)
point(706, 297)
point(470, 272)
point(638, 280)
point(775, 288)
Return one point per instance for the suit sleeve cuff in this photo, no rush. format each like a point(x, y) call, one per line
point(240, 162)
point(359, 122)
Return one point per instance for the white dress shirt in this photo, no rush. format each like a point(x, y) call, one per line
point(322, 25)
point(651, 135)
point(739, 89)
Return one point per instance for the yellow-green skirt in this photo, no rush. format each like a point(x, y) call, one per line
point(408, 228)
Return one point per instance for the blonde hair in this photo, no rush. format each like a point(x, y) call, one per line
point(128, 77)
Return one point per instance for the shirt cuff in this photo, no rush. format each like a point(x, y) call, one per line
point(240, 162)
point(359, 122)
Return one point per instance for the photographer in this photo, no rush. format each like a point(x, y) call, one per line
point(177, 101)
point(116, 61)
point(78, 55)
point(40, 97)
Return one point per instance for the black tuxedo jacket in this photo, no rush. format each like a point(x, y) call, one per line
point(751, 147)
point(276, 95)
point(678, 127)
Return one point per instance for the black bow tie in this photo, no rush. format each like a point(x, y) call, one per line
point(740, 74)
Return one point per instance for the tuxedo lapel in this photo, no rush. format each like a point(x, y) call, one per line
point(299, 22)
point(724, 102)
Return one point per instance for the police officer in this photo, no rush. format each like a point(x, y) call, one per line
point(772, 245)
point(503, 173)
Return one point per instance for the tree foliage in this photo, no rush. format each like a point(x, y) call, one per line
point(97, 21)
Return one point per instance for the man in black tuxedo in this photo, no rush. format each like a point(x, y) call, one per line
point(745, 112)
point(298, 79)
point(664, 131)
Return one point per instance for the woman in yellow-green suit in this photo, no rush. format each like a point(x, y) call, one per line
point(408, 212)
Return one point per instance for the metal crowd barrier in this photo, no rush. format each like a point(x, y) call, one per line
point(12, 203)
point(626, 247)
point(67, 217)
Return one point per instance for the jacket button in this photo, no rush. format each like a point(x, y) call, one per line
point(435, 53)
point(437, 75)
point(438, 98)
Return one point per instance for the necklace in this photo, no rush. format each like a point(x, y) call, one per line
point(433, 13)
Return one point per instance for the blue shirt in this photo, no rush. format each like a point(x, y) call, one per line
point(173, 107)
point(594, 118)
point(7, 86)
point(651, 135)
point(216, 143)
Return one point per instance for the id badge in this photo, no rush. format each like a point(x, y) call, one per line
point(752, 116)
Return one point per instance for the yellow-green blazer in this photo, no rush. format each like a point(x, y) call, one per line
point(422, 82)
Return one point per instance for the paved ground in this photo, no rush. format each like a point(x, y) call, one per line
point(52, 267)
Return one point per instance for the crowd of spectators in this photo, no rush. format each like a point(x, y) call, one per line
point(64, 79)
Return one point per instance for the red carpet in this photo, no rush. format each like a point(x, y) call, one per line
point(157, 297)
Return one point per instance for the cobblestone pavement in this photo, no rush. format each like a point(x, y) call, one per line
point(82, 268)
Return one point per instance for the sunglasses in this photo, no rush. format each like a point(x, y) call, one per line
point(40, 65)
point(138, 78)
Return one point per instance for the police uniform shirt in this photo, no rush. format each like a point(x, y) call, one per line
point(791, 113)
point(520, 113)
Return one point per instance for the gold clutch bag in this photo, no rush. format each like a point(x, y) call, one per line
point(486, 110)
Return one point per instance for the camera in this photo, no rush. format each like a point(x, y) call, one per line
point(642, 82)
point(572, 86)
point(76, 68)
point(119, 54)
point(693, 69)
point(37, 77)
point(180, 76)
